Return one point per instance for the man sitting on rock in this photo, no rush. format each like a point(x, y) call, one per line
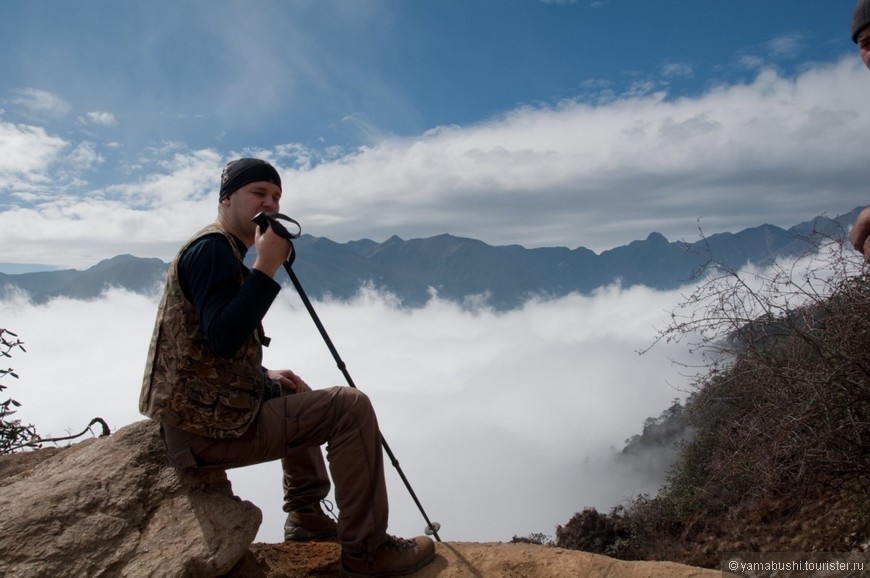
point(219, 408)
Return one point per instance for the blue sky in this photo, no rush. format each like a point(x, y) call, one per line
point(513, 121)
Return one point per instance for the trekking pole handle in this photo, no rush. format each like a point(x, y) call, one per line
point(273, 220)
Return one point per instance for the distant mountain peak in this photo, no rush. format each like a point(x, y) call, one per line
point(459, 267)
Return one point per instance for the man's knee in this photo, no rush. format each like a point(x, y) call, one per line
point(354, 400)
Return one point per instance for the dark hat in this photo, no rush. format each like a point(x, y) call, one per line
point(860, 18)
point(241, 172)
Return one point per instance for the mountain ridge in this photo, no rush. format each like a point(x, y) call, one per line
point(460, 268)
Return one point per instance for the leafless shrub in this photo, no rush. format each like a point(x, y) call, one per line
point(13, 434)
point(779, 407)
point(784, 403)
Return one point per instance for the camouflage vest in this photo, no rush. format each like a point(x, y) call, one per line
point(188, 387)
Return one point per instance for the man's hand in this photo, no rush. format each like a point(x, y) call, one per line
point(290, 382)
point(272, 251)
point(860, 235)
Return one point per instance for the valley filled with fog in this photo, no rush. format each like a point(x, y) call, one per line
point(504, 423)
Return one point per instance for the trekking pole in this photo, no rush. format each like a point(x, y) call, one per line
point(264, 220)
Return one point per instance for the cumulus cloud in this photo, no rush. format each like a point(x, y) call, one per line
point(597, 172)
point(26, 155)
point(581, 174)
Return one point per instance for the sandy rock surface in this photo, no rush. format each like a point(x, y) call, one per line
point(463, 560)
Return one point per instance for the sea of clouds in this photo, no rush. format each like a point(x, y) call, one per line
point(505, 423)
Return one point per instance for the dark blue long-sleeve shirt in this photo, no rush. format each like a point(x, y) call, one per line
point(228, 313)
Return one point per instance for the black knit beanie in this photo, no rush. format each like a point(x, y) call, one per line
point(860, 18)
point(241, 172)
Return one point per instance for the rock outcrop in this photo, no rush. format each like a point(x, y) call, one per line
point(113, 507)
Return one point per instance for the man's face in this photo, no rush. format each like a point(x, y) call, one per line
point(246, 202)
point(864, 46)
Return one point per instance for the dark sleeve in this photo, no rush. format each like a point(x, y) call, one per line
point(228, 311)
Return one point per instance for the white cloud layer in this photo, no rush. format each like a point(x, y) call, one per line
point(505, 423)
point(587, 173)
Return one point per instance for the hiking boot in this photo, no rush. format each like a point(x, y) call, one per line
point(310, 524)
point(395, 557)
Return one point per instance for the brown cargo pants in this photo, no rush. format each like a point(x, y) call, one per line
point(292, 428)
